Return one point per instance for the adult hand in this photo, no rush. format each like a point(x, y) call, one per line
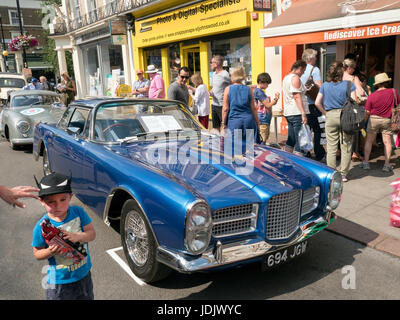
point(11, 195)
point(304, 118)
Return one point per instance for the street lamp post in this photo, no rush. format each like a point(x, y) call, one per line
point(22, 33)
point(4, 43)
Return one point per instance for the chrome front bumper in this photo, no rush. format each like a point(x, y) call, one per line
point(224, 254)
point(22, 141)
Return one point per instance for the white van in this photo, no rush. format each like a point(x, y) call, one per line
point(8, 82)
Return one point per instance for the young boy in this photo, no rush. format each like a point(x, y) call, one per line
point(264, 104)
point(66, 280)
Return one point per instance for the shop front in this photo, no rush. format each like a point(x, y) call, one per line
point(190, 35)
point(103, 68)
point(368, 31)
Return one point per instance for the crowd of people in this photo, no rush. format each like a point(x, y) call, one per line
point(66, 87)
point(306, 100)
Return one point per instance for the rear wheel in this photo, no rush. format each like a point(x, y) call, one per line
point(139, 244)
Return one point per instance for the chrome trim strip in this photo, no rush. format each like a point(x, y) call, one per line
point(252, 216)
point(224, 254)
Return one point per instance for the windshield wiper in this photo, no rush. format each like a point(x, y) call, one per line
point(132, 138)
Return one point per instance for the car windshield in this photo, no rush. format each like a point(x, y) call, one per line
point(128, 122)
point(33, 99)
point(11, 83)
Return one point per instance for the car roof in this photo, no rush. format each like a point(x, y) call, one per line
point(11, 74)
point(33, 92)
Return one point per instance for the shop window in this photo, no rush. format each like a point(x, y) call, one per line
point(174, 61)
point(92, 70)
point(153, 56)
point(236, 53)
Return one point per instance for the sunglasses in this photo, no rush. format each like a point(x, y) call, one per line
point(184, 77)
point(139, 74)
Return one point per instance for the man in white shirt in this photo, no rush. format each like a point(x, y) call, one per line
point(220, 80)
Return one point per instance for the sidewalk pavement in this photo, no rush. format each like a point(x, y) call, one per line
point(363, 214)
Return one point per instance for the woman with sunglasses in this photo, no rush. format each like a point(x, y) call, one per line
point(178, 89)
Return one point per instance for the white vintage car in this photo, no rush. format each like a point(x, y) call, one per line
point(24, 108)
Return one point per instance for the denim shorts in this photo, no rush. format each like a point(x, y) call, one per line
point(79, 290)
point(294, 126)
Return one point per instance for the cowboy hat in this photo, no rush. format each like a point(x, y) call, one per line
point(151, 69)
point(381, 78)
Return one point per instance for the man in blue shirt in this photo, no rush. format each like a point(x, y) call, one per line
point(34, 85)
point(310, 57)
point(140, 87)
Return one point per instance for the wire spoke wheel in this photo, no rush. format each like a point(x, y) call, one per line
point(140, 245)
point(136, 238)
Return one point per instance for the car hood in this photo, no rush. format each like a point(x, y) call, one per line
point(205, 169)
point(43, 113)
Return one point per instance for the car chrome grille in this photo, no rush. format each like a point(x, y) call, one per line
point(283, 215)
point(234, 220)
point(310, 200)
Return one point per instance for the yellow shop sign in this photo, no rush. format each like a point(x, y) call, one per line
point(205, 18)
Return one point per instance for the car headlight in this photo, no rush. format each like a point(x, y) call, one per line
point(23, 126)
point(198, 228)
point(335, 190)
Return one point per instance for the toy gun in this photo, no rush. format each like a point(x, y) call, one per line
point(70, 250)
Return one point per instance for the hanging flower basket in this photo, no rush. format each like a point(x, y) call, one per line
point(20, 42)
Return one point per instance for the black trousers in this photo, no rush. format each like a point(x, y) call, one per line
point(216, 116)
point(312, 119)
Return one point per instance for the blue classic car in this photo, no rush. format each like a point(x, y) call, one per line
point(178, 195)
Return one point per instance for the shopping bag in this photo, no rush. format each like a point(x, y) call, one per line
point(305, 138)
point(394, 210)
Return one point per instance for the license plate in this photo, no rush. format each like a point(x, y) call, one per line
point(279, 257)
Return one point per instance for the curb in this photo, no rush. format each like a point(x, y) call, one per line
point(365, 236)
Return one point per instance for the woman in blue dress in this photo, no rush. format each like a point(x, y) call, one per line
point(239, 111)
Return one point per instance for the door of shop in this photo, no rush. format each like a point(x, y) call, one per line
point(191, 58)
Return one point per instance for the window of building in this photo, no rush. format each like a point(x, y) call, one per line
point(14, 20)
point(174, 61)
point(236, 53)
point(92, 11)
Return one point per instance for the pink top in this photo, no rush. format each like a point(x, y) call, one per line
point(157, 83)
point(380, 103)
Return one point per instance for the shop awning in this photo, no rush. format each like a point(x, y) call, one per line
point(312, 21)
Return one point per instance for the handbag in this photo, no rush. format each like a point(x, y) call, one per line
point(312, 88)
point(395, 119)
